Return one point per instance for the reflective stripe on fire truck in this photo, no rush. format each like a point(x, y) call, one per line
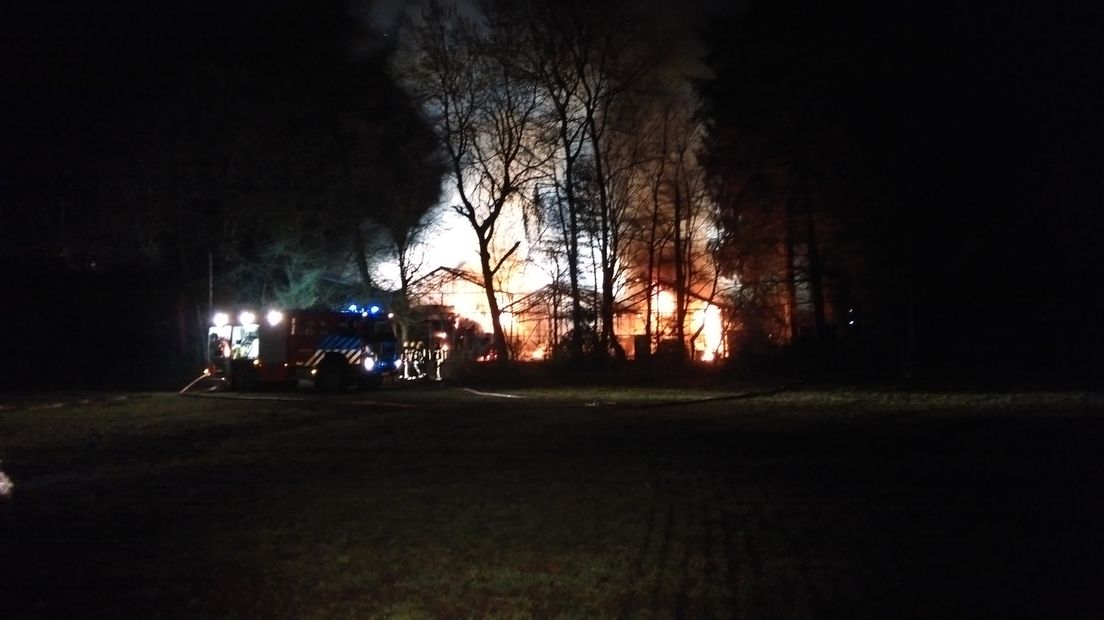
point(348, 346)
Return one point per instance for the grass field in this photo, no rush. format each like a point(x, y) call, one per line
point(446, 503)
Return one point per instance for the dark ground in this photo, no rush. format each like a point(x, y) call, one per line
point(442, 503)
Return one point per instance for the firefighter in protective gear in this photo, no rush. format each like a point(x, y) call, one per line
point(218, 348)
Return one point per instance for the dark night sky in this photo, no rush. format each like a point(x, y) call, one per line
point(996, 78)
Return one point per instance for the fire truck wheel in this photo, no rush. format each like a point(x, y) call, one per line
point(333, 375)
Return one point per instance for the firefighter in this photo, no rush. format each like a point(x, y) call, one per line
point(218, 348)
point(408, 360)
point(438, 360)
point(419, 360)
point(214, 352)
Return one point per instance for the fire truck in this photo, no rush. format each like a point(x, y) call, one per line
point(330, 349)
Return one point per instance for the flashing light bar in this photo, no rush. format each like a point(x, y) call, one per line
point(363, 310)
point(275, 317)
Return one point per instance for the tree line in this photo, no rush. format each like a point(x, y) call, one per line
point(842, 184)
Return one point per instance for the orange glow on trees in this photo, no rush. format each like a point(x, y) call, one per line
point(593, 158)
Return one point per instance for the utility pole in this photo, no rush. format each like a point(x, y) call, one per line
point(210, 283)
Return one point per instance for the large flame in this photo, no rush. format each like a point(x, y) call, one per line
point(665, 302)
point(708, 319)
point(532, 329)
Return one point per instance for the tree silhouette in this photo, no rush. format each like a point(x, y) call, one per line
point(484, 111)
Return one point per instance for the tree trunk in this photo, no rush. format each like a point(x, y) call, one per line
point(501, 348)
point(651, 273)
point(791, 273)
point(816, 280)
point(605, 244)
point(680, 272)
point(576, 345)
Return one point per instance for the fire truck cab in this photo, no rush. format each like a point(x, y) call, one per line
point(329, 349)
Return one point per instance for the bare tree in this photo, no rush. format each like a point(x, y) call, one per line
point(669, 233)
point(484, 111)
point(548, 56)
point(655, 229)
point(589, 61)
point(696, 276)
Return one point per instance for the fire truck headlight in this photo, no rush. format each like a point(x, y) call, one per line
point(220, 319)
point(369, 363)
point(275, 317)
